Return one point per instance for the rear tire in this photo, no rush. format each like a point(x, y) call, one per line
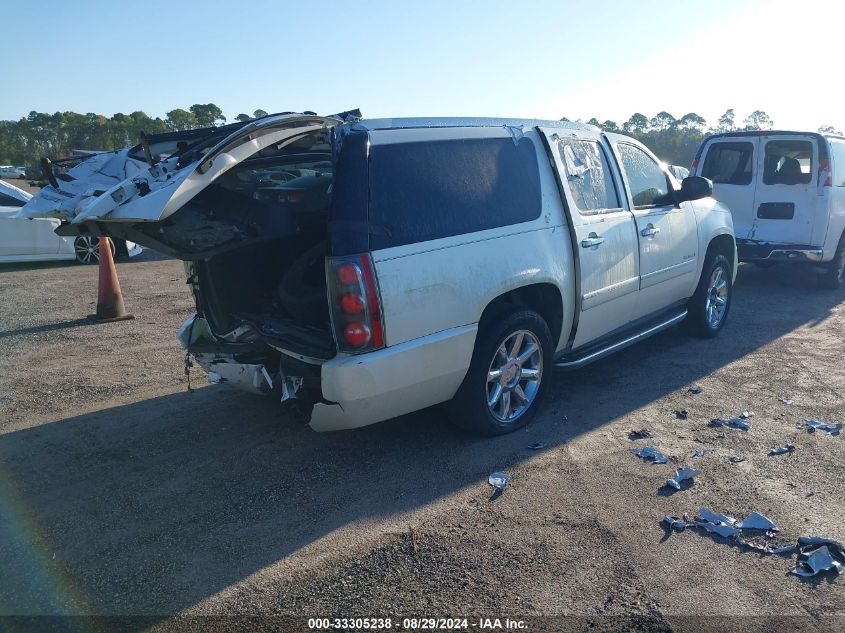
point(834, 277)
point(709, 306)
point(508, 377)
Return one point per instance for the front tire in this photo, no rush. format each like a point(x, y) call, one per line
point(508, 377)
point(708, 309)
point(834, 277)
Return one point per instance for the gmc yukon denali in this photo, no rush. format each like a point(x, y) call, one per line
point(363, 269)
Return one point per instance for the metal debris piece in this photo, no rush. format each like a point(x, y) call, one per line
point(642, 434)
point(815, 425)
point(699, 453)
point(681, 414)
point(786, 399)
point(735, 459)
point(780, 450)
point(674, 523)
point(499, 481)
point(786, 549)
point(536, 446)
point(695, 389)
point(712, 517)
point(682, 474)
point(816, 560)
point(650, 453)
point(756, 521)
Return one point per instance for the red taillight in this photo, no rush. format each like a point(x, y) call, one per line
point(352, 304)
point(356, 334)
point(355, 307)
point(348, 274)
point(825, 173)
point(694, 167)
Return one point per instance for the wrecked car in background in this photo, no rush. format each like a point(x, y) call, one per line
point(364, 269)
point(786, 191)
point(35, 240)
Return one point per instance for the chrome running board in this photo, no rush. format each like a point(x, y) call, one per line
point(568, 364)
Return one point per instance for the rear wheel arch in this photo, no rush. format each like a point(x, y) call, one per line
point(543, 298)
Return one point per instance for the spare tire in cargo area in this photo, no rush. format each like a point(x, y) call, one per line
point(302, 289)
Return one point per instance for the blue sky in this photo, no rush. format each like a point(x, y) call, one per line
point(543, 59)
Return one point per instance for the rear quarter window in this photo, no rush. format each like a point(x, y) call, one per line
point(729, 163)
point(428, 190)
point(837, 149)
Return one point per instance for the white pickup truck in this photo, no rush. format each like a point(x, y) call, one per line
point(364, 269)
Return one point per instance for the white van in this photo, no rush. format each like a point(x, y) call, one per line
point(786, 191)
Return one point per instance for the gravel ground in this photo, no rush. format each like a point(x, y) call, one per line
point(123, 494)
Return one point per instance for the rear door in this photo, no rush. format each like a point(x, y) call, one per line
point(667, 233)
point(787, 203)
point(730, 163)
point(161, 189)
point(605, 231)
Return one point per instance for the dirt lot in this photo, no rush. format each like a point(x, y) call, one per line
point(122, 493)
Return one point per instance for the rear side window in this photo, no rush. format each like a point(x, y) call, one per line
point(649, 185)
point(788, 163)
point(837, 148)
point(729, 163)
point(428, 190)
point(8, 201)
point(588, 175)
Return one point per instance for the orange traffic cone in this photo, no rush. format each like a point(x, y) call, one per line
point(109, 298)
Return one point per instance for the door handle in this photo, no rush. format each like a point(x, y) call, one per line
point(591, 241)
point(649, 231)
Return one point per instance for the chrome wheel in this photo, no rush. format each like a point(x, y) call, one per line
point(514, 375)
point(717, 297)
point(87, 249)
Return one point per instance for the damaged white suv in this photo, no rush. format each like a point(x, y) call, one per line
point(364, 269)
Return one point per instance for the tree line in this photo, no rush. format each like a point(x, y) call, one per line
point(676, 140)
point(25, 141)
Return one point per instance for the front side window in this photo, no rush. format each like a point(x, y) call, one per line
point(649, 185)
point(588, 175)
point(729, 163)
point(427, 190)
point(788, 163)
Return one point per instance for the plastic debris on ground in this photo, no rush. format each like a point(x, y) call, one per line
point(536, 446)
point(737, 422)
point(642, 434)
point(681, 414)
point(499, 481)
point(681, 475)
point(815, 554)
point(781, 450)
point(695, 389)
point(650, 453)
point(756, 521)
point(735, 459)
point(699, 453)
point(786, 399)
point(830, 429)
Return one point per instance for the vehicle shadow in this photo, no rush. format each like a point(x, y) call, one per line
point(151, 507)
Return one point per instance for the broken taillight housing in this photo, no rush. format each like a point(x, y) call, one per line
point(825, 173)
point(355, 304)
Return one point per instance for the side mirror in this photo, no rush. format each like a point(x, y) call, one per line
point(694, 188)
